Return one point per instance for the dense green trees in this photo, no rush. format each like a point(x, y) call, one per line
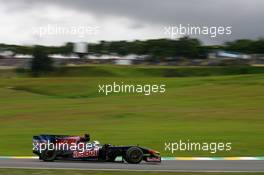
point(185, 47)
point(246, 46)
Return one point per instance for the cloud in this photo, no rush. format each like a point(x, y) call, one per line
point(141, 19)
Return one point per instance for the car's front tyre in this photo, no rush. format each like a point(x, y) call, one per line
point(134, 155)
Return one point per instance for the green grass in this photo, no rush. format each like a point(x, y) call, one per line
point(201, 109)
point(152, 71)
point(141, 71)
point(70, 172)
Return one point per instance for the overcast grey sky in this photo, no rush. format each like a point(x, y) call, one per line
point(21, 20)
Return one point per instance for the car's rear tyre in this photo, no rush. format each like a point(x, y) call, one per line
point(48, 156)
point(134, 155)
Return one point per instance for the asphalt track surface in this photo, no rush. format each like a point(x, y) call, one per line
point(165, 166)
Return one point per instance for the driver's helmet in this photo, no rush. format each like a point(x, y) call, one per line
point(96, 143)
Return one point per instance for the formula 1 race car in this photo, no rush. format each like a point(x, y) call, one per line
point(65, 147)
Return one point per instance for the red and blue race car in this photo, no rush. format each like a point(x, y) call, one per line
point(66, 147)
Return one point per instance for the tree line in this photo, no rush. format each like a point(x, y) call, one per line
point(157, 48)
